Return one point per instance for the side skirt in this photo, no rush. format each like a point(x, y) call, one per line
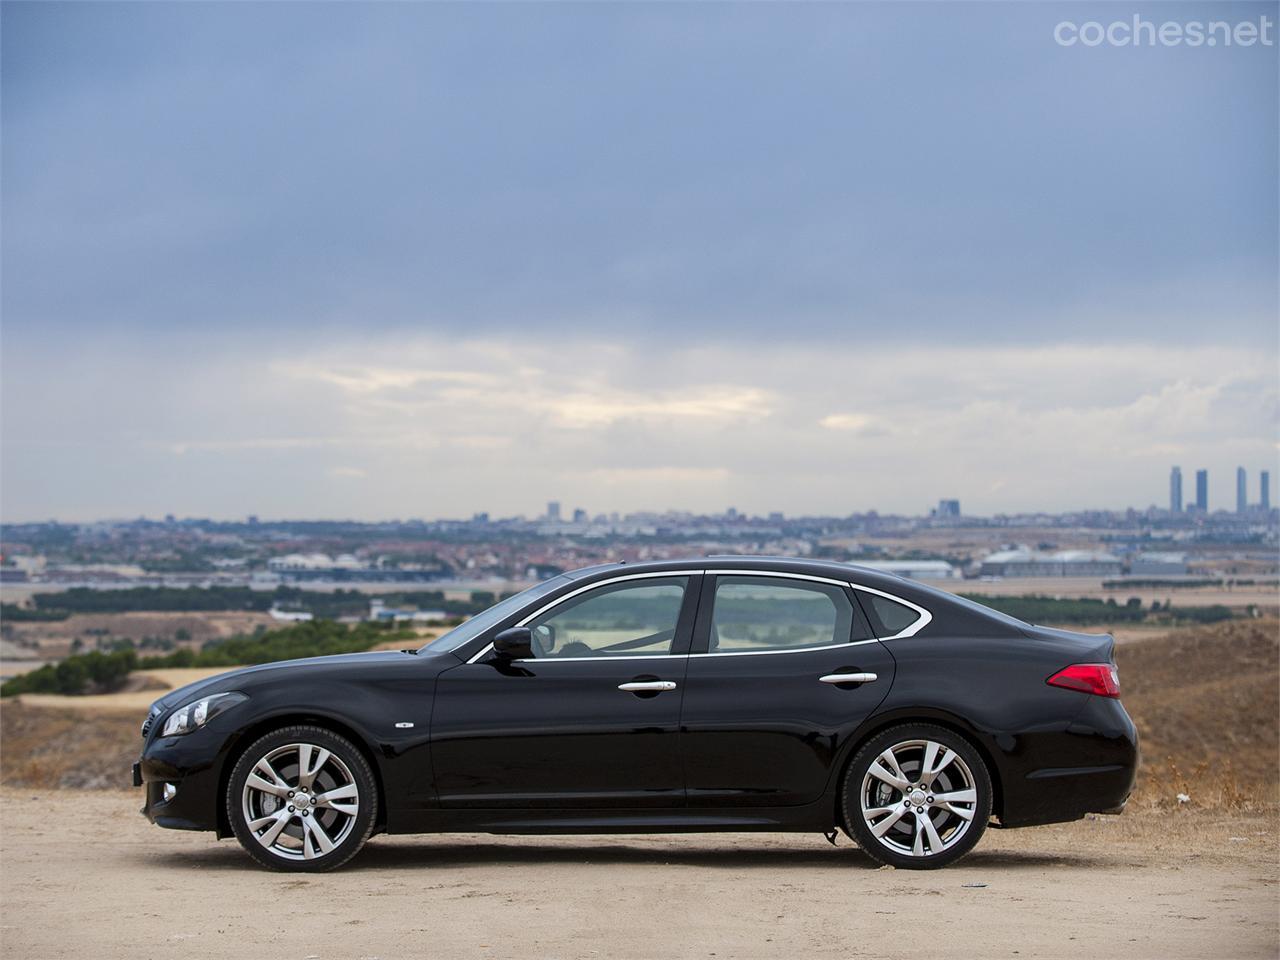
point(811, 818)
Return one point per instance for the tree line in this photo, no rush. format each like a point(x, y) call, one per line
point(323, 604)
point(98, 672)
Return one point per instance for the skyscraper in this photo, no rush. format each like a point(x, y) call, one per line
point(1202, 491)
point(553, 510)
point(1175, 490)
point(1266, 490)
point(1242, 490)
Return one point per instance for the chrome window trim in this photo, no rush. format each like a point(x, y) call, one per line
point(920, 623)
point(765, 653)
point(777, 575)
point(647, 656)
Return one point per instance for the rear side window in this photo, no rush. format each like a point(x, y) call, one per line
point(893, 617)
point(759, 614)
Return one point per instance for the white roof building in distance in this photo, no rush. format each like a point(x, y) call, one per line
point(1158, 564)
point(1025, 562)
point(915, 569)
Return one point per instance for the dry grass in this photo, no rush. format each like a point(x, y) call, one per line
point(1206, 701)
point(47, 748)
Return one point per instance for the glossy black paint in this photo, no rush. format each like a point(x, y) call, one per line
point(744, 742)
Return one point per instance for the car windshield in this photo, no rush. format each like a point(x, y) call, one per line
point(470, 629)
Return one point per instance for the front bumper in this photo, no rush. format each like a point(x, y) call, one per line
point(191, 766)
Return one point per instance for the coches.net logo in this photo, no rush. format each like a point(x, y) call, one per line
point(1140, 32)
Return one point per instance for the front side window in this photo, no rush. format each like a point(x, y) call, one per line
point(759, 614)
point(637, 618)
point(468, 630)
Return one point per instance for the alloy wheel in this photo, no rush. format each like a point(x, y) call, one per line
point(300, 801)
point(918, 798)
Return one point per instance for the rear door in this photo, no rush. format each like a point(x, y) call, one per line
point(782, 670)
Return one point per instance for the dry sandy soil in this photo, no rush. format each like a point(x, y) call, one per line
point(86, 877)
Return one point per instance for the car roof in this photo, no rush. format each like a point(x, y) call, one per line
point(755, 563)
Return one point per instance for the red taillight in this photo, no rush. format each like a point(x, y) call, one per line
point(1100, 679)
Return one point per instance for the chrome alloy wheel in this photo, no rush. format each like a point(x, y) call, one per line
point(300, 801)
point(918, 798)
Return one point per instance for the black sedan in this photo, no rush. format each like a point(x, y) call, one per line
point(698, 695)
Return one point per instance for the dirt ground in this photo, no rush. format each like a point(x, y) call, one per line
point(105, 884)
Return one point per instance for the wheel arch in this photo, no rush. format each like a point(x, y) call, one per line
point(941, 718)
point(265, 725)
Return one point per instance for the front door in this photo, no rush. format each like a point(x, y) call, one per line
point(590, 721)
point(765, 710)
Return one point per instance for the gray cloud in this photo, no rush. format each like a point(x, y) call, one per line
point(418, 259)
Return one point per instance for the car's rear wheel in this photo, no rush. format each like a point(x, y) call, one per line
point(917, 796)
point(302, 798)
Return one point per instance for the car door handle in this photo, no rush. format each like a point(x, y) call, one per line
point(848, 678)
point(646, 686)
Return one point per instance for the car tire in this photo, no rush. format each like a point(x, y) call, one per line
point(302, 798)
point(916, 796)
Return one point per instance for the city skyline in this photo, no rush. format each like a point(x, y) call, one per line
point(553, 511)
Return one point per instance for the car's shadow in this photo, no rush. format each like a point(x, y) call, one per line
point(394, 853)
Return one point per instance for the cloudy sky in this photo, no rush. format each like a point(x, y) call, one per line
point(405, 260)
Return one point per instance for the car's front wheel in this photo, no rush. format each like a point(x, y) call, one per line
point(917, 796)
point(302, 798)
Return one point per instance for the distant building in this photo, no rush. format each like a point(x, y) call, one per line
point(1175, 490)
point(1265, 502)
point(948, 508)
point(380, 612)
point(482, 517)
point(1158, 565)
point(915, 569)
point(290, 616)
point(345, 566)
point(1242, 490)
point(1202, 491)
point(1025, 562)
point(579, 515)
point(313, 563)
point(553, 511)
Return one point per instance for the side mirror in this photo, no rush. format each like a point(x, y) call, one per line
point(514, 643)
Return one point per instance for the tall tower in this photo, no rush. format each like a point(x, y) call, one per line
point(1266, 490)
point(1175, 490)
point(553, 510)
point(1202, 491)
point(1242, 490)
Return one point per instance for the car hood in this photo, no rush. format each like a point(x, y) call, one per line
point(286, 669)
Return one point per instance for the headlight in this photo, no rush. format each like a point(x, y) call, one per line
point(199, 712)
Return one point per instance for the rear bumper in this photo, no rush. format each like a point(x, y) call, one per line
point(1096, 761)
